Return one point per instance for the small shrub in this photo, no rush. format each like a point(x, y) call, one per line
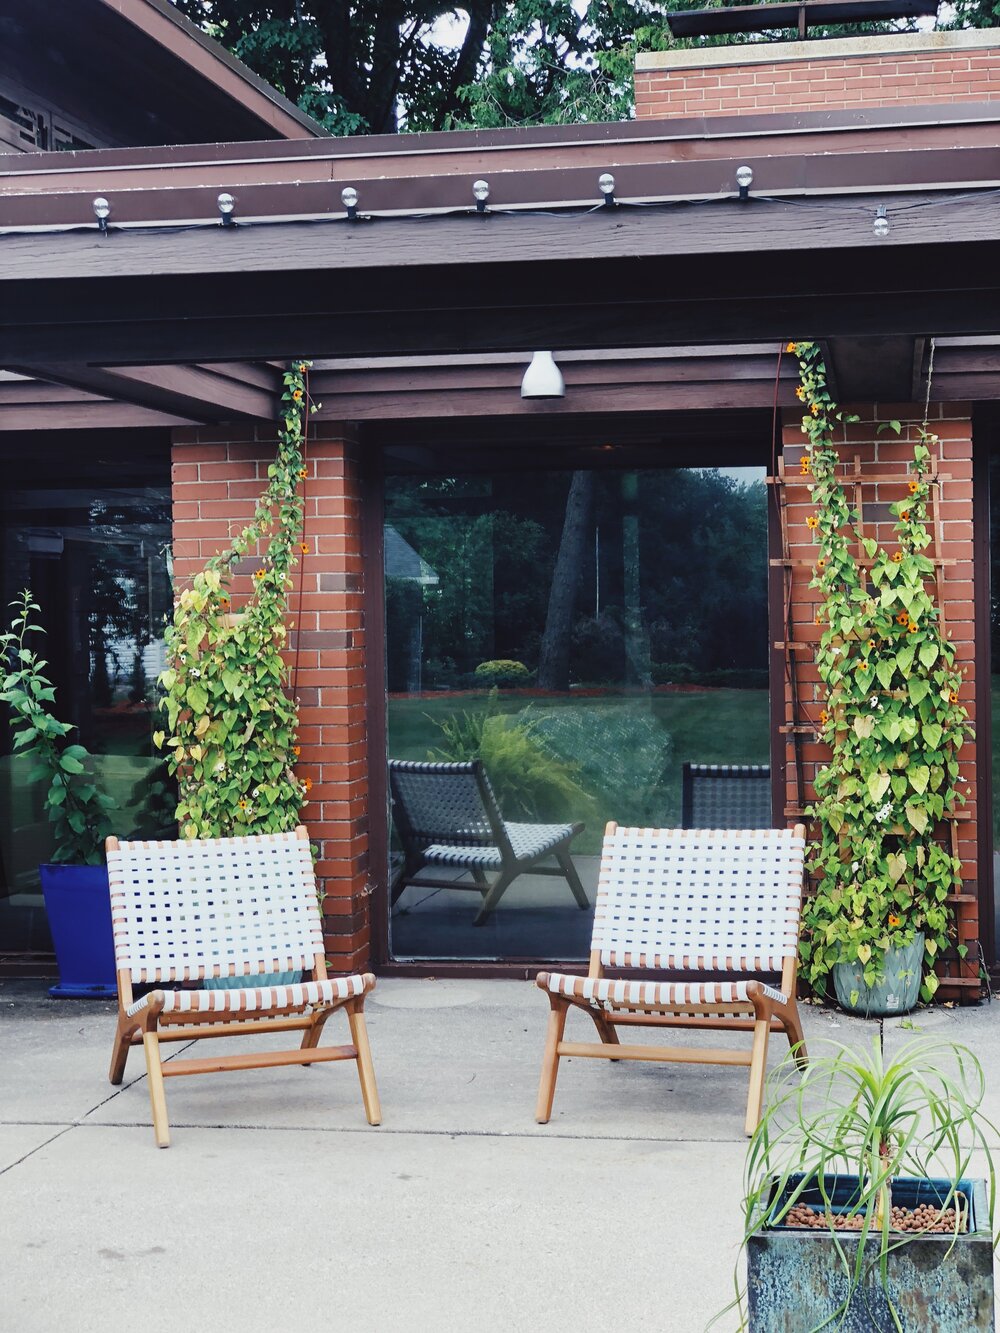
point(502, 672)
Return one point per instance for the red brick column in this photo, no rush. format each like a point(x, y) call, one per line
point(886, 455)
point(218, 474)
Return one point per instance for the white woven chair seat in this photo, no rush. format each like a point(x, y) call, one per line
point(254, 999)
point(654, 994)
point(528, 842)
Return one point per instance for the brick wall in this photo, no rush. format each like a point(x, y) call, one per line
point(818, 75)
point(887, 455)
point(218, 474)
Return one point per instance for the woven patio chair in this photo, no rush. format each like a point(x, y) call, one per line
point(447, 815)
point(225, 907)
point(693, 900)
point(725, 796)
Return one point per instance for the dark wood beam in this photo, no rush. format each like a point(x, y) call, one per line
point(192, 393)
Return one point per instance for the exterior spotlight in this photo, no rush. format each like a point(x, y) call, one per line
point(606, 185)
point(744, 179)
point(349, 198)
point(481, 192)
point(881, 224)
point(101, 210)
point(226, 203)
point(543, 378)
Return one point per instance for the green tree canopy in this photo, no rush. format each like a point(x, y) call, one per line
point(378, 66)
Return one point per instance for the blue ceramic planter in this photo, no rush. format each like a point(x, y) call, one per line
point(896, 993)
point(78, 906)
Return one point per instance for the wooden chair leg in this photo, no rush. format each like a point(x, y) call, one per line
point(123, 1044)
point(312, 1034)
point(758, 1068)
point(500, 886)
point(572, 878)
point(366, 1070)
point(157, 1096)
point(607, 1032)
point(795, 1035)
point(550, 1060)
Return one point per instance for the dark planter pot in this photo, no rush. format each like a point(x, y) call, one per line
point(796, 1278)
point(896, 993)
point(78, 905)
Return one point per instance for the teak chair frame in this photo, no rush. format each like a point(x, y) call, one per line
point(152, 1026)
point(760, 1014)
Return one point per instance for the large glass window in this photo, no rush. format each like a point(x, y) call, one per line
point(97, 562)
point(583, 636)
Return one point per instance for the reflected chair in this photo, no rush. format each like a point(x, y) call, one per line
point(725, 796)
point(701, 901)
point(447, 815)
point(225, 907)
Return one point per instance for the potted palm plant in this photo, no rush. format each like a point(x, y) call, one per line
point(75, 882)
point(866, 1207)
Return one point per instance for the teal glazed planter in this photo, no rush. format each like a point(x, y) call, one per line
point(896, 993)
point(78, 905)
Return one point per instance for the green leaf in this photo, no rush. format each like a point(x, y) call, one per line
point(69, 764)
point(928, 654)
point(878, 785)
point(932, 734)
point(918, 690)
point(917, 817)
point(918, 775)
point(197, 698)
point(884, 670)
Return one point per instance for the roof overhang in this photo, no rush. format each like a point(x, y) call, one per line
point(681, 264)
point(144, 72)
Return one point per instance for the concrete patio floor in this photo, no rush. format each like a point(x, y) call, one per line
point(277, 1207)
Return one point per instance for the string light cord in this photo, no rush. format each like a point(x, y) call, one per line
point(569, 211)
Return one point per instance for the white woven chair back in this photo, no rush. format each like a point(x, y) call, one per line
point(214, 907)
point(699, 898)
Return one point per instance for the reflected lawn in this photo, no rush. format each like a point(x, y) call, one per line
point(714, 726)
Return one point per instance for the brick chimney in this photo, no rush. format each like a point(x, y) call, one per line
point(894, 69)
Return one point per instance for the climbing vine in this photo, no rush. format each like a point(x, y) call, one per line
point(230, 723)
point(891, 716)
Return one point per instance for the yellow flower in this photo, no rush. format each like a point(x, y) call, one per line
point(243, 804)
point(895, 921)
point(812, 522)
point(308, 784)
point(821, 564)
point(791, 348)
point(800, 393)
point(897, 556)
point(824, 716)
point(296, 394)
point(914, 487)
point(296, 749)
point(814, 409)
point(304, 547)
point(912, 627)
point(904, 514)
point(259, 573)
point(303, 472)
point(953, 697)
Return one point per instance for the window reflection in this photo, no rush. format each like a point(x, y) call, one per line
point(582, 636)
point(98, 564)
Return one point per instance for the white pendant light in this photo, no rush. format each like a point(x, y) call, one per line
point(543, 378)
